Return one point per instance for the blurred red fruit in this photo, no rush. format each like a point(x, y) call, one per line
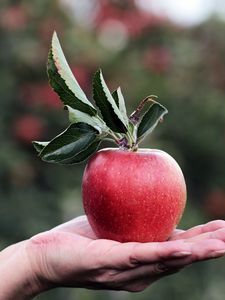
point(158, 59)
point(134, 19)
point(13, 18)
point(215, 203)
point(40, 95)
point(46, 28)
point(82, 75)
point(28, 128)
point(138, 21)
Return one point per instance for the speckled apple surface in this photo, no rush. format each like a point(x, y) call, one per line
point(133, 196)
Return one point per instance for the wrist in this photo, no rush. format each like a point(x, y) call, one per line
point(20, 280)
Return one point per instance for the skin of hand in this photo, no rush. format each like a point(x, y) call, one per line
point(70, 255)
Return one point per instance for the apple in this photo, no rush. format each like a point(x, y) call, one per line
point(133, 196)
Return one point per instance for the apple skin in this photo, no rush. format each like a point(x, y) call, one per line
point(133, 196)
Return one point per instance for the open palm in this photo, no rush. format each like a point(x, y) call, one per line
point(72, 255)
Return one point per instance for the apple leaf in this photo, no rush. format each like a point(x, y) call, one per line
point(76, 116)
point(39, 146)
point(107, 105)
point(83, 155)
point(63, 81)
point(74, 140)
point(87, 128)
point(150, 120)
point(120, 102)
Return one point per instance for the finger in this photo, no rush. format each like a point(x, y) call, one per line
point(140, 278)
point(79, 225)
point(201, 251)
point(217, 234)
point(208, 227)
point(148, 273)
point(175, 233)
point(206, 249)
point(133, 254)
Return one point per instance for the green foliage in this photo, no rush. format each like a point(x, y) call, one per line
point(63, 81)
point(74, 145)
point(120, 102)
point(150, 119)
point(76, 116)
point(107, 105)
point(76, 139)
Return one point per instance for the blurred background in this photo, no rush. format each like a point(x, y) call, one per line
point(173, 49)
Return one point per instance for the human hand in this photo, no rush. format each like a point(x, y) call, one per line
point(71, 255)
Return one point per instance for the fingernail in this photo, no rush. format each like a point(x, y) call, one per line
point(181, 254)
point(218, 253)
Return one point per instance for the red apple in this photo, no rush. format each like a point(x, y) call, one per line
point(133, 196)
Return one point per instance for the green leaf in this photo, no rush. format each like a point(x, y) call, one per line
point(82, 155)
point(76, 116)
point(150, 120)
point(75, 139)
point(120, 102)
point(39, 146)
point(107, 105)
point(63, 81)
